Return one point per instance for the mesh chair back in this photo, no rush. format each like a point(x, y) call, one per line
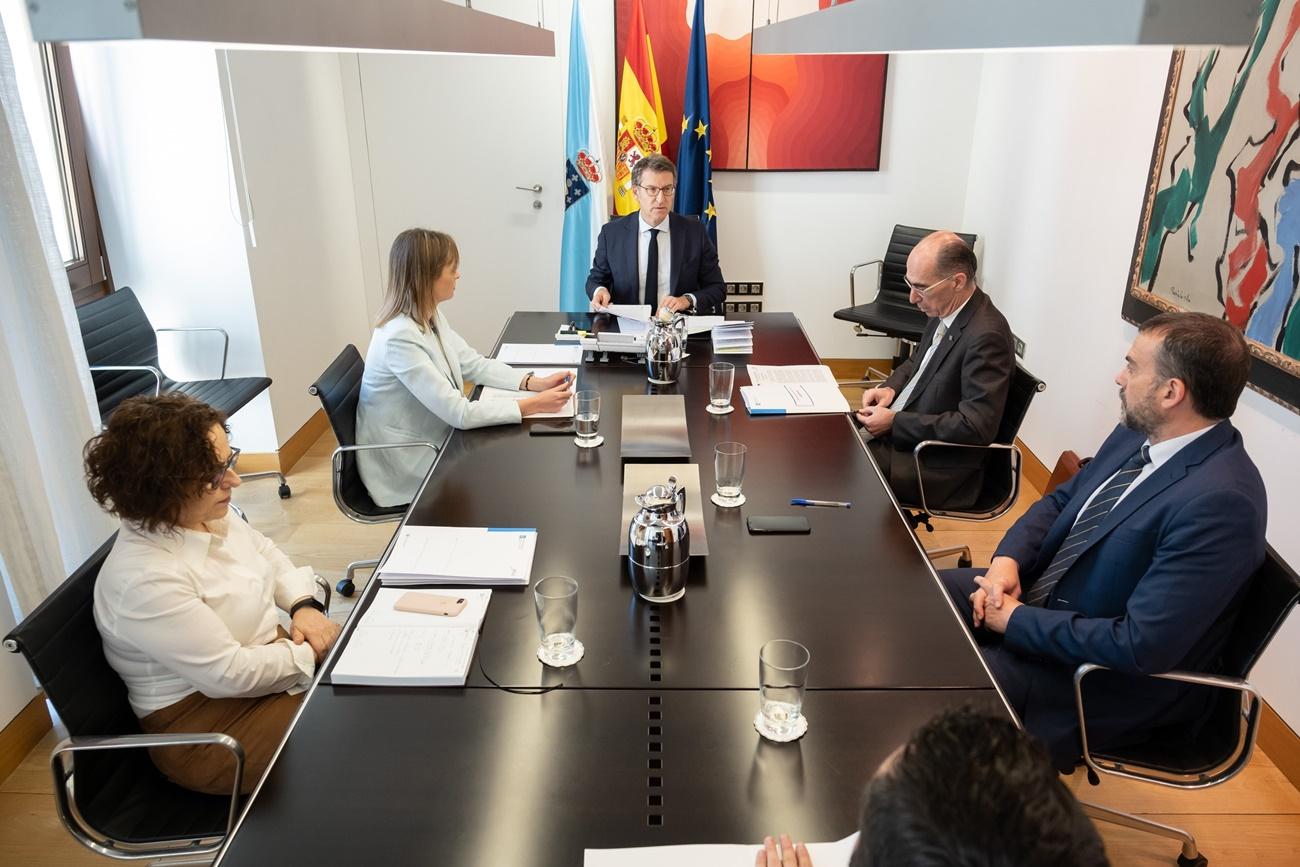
point(339, 388)
point(116, 332)
point(119, 792)
point(893, 268)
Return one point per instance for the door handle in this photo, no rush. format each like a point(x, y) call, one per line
point(535, 188)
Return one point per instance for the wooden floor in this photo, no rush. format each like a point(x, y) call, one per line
point(1254, 819)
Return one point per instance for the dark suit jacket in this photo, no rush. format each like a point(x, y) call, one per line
point(693, 267)
point(1156, 588)
point(960, 398)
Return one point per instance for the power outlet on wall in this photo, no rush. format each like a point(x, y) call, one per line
point(1020, 346)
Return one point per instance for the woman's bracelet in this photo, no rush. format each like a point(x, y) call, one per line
point(527, 380)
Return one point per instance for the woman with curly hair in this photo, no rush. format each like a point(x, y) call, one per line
point(186, 602)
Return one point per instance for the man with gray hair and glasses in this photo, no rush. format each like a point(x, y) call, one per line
point(952, 388)
point(655, 256)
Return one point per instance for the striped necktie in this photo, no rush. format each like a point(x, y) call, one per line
point(900, 402)
point(1089, 520)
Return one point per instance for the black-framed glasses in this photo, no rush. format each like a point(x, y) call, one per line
point(225, 468)
point(653, 192)
point(926, 290)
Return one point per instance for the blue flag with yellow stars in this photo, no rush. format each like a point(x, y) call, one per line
point(695, 153)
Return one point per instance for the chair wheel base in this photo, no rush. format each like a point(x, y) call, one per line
point(285, 493)
point(964, 563)
point(1198, 861)
point(345, 588)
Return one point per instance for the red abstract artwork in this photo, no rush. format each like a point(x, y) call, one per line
point(769, 112)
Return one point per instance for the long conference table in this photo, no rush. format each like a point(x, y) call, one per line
point(649, 738)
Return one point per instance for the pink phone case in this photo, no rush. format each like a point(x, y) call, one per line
point(430, 603)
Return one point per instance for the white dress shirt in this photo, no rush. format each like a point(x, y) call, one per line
point(905, 395)
point(196, 611)
point(1159, 454)
point(665, 257)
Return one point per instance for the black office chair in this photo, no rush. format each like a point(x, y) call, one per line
point(338, 389)
point(890, 313)
point(122, 349)
point(1000, 484)
point(1188, 757)
point(107, 791)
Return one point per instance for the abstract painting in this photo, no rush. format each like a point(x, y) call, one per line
point(1220, 227)
point(787, 112)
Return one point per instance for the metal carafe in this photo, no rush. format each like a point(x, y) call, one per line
point(665, 344)
point(659, 544)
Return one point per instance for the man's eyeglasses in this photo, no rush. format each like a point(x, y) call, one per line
point(926, 290)
point(653, 192)
point(225, 468)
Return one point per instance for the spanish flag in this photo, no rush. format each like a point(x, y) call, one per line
point(641, 129)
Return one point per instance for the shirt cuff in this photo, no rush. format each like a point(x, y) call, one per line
point(304, 659)
point(292, 586)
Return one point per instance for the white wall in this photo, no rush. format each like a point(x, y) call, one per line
point(1061, 149)
point(170, 211)
point(306, 266)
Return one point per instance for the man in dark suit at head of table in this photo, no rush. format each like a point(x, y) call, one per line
point(1140, 562)
point(655, 256)
point(953, 387)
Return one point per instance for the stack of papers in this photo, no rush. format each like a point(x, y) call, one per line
point(835, 854)
point(701, 324)
point(792, 389)
point(735, 337)
point(403, 648)
point(490, 393)
point(460, 555)
point(540, 353)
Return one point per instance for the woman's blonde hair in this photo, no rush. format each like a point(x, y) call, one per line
point(417, 258)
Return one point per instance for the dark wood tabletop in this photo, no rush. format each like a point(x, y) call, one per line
point(477, 775)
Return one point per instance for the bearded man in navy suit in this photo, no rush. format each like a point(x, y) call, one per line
point(1140, 562)
point(654, 256)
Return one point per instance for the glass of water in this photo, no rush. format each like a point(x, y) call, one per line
point(728, 474)
point(586, 419)
point(782, 678)
point(722, 375)
point(557, 614)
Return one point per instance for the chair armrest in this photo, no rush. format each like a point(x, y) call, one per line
point(91, 838)
point(336, 473)
point(1001, 508)
point(853, 301)
point(1252, 703)
point(225, 347)
point(324, 585)
point(157, 374)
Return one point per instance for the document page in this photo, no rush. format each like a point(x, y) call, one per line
point(634, 312)
point(765, 374)
point(540, 353)
point(793, 398)
point(713, 855)
point(460, 555)
point(490, 393)
point(403, 648)
point(701, 324)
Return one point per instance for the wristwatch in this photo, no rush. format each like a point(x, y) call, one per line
point(306, 602)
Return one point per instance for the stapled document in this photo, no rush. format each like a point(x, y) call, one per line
point(460, 555)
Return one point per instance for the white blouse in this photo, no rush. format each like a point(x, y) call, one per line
point(193, 611)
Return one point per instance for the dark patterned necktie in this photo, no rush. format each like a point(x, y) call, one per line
point(1089, 520)
point(652, 271)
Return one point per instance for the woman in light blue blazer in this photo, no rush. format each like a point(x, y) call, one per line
point(414, 385)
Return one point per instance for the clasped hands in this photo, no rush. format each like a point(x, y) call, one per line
point(875, 415)
point(998, 595)
point(600, 300)
point(316, 629)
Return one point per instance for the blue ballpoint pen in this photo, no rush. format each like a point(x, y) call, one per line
point(832, 504)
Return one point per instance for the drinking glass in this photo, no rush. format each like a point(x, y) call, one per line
point(586, 419)
point(728, 474)
point(557, 613)
point(722, 375)
point(782, 678)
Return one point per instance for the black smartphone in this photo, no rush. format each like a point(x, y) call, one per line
point(551, 428)
point(762, 525)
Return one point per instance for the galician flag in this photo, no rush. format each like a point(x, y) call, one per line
point(586, 175)
point(641, 129)
point(695, 151)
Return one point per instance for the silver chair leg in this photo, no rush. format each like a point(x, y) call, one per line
point(361, 564)
point(266, 474)
point(962, 553)
point(1190, 853)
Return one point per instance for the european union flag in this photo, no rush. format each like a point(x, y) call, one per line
point(695, 152)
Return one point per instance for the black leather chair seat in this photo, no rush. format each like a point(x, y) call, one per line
point(220, 392)
point(905, 322)
point(133, 803)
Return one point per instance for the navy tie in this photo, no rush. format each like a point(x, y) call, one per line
point(1089, 520)
point(652, 271)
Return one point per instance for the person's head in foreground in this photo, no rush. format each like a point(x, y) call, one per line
point(163, 463)
point(973, 789)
